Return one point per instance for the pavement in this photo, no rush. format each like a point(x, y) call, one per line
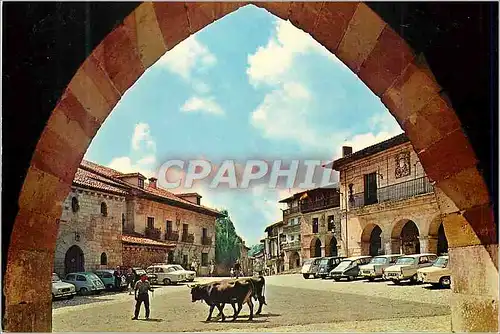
point(294, 304)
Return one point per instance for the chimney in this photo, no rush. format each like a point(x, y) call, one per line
point(346, 150)
point(152, 182)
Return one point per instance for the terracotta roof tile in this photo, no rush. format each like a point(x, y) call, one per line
point(95, 181)
point(129, 239)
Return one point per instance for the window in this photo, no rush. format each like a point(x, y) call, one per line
point(151, 222)
point(331, 223)
point(185, 260)
point(70, 277)
point(159, 270)
point(204, 233)
point(315, 225)
point(185, 228)
point(104, 259)
point(291, 238)
point(104, 209)
point(141, 183)
point(74, 205)
point(107, 275)
point(168, 226)
point(204, 259)
point(81, 278)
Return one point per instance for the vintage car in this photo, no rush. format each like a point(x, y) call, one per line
point(349, 268)
point(310, 267)
point(438, 274)
point(375, 269)
point(167, 273)
point(327, 264)
point(406, 267)
point(62, 289)
point(107, 277)
point(190, 274)
point(85, 282)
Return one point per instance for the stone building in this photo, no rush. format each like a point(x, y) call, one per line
point(390, 202)
point(246, 262)
point(312, 226)
point(273, 253)
point(111, 218)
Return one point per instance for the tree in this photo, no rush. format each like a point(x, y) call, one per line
point(255, 249)
point(227, 242)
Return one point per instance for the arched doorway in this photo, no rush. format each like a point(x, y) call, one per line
point(315, 248)
point(74, 260)
point(294, 261)
point(409, 238)
point(333, 247)
point(442, 242)
point(371, 240)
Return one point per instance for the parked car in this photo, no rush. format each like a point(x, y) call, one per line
point(62, 289)
point(438, 274)
point(190, 275)
point(327, 264)
point(406, 267)
point(375, 269)
point(138, 272)
point(310, 267)
point(349, 268)
point(167, 273)
point(85, 282)
point(107, 277)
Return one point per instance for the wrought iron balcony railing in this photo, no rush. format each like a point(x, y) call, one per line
point(394, 192)
point(172, 236)
point(153, 233)
point(324, 203)
point(292, 210)
point(291, 229)
point(292, 245)
point(188, 238)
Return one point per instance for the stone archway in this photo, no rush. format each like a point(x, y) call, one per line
point(332, 247)
point(405, 238)
point(371, 240)
point(315, 248)
point(74, 260)
point(294, 261)
point(352, 31)
point(438, 243)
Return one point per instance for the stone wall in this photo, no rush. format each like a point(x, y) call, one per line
point(144, 208)
point(308, 238)
point(142, 256)
point(97, 234)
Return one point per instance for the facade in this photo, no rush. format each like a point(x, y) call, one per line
point(273, 253)
point(387, 201)
point(245, 261)
point(111, 218)
point(312, 226)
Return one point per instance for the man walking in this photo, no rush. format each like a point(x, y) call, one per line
point(237, 268)
point(212, 268)
point(142, 288)
point(130, 281)
point(118, 278)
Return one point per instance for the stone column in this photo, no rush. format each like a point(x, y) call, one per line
point(424, 243)
point(323, 250)
point(432, 244)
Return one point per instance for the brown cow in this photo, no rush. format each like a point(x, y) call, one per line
point(217, 294)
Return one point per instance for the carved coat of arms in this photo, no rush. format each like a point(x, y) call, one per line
point(402, 164)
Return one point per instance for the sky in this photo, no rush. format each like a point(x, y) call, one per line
point(248, 86)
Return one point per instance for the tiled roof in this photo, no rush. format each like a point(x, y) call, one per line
point(129, 239)
point(88, 179)
point(297, 195)
point(109, 179)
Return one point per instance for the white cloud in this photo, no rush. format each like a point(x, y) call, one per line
point(186, 57)
point(200, 87)
point(202, 105)
point(143, 154)
point(270, 64)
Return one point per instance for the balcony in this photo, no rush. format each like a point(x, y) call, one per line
point(325, 203)
point(153, 233)
point(206, 241)
point(291, 210)
point(292, 245)
point(172, 236)
point(395, 192)
point(188, 238)
point(288, 229)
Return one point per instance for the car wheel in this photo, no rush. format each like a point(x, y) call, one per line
point(395, 281)
point(371, 279)
point(167, 281)
point(70, 297)
point(445, 282)
point(305, 276)
point(53, 297)
point(337, 279)
point(83, 291)
point(110, 287)
point(98, 292)
point(414, 279)
point(350, 278)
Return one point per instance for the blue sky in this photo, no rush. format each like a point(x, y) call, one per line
point(249, 86)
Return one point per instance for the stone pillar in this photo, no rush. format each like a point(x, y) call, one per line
point(473, 253)
point(396, 246)
point(424, 244)
point(323, 250)
point(432, 244)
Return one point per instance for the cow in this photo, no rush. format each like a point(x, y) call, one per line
point(259, 284)
point(217, 294)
